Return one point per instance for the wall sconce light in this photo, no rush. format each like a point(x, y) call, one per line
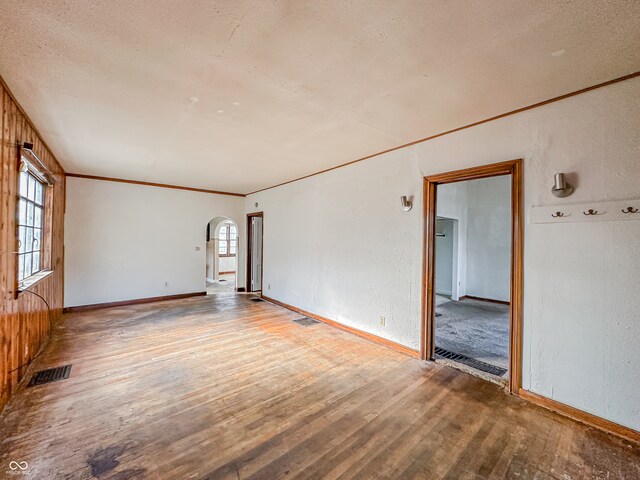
point(406, 203)
point(561, 188)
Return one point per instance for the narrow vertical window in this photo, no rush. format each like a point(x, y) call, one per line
point(30, 224)
point(227, 240)
point(233, 240)
point(223, 244)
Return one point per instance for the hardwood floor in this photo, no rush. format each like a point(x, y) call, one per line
point(222, 387)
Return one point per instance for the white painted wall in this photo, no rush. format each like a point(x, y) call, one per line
point(227, 264)
point(489, 238)
point(482, 209)
point(339, 245)
point(452, 203)
point(124, 241)
point(211, 261)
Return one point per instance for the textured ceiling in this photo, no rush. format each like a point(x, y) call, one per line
point(240, 95)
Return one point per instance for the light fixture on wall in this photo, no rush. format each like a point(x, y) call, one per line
point(406, 203)
point(561, 188)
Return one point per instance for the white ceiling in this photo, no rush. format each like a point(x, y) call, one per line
point(240, 95)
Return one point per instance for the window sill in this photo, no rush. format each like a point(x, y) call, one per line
point(33, 279)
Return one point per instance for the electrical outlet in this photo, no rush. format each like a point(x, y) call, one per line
point(268, 286)
point(382, 321)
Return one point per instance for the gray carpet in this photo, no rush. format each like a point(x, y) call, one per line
point(473, 328)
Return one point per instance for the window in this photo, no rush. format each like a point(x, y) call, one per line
point(227, 240)
point(31, 193)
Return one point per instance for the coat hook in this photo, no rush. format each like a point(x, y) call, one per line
point(591, 211)
point(630, 210)
point(557, 214)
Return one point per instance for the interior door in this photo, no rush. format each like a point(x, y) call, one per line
point(256, 254)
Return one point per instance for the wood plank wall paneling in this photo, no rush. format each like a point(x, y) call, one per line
point(24, 321)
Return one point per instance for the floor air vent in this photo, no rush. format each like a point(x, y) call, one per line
point(306, 321)
point(471, 362)
point(257, 300)
point(50, 375)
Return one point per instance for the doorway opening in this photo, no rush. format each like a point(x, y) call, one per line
point(255, 231)
point(473, 271)
point(222, 255)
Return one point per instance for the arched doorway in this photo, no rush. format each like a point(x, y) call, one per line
point(222, 255)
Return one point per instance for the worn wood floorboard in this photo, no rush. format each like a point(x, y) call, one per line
point(221, 387)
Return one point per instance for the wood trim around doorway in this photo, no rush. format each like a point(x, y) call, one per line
point(427, 344)
point(249, 215)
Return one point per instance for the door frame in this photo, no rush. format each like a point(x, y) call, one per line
point(430, 184)
point(249, 232)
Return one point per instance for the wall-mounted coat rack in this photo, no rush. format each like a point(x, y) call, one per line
point(587, 212)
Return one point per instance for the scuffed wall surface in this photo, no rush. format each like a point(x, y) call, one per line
point(339, 244)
